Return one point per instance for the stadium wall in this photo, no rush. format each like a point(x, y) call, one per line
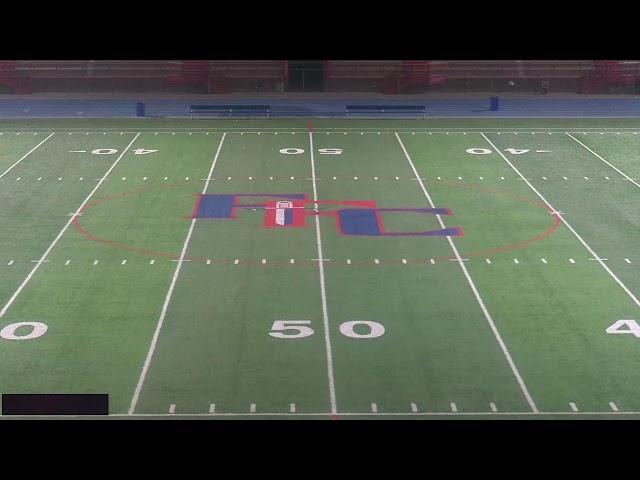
point(317, 107)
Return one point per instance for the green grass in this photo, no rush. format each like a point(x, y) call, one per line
point(438, 348)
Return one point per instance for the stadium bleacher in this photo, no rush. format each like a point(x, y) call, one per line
point(196, 76)
point(385, 76)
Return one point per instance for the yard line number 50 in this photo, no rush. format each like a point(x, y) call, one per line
point(358, 329)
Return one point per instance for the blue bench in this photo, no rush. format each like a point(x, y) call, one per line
point(229, 110)
point(401, 110)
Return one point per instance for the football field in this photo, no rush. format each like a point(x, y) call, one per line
point(324, 268)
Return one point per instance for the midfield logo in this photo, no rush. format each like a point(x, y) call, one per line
point(290, 210)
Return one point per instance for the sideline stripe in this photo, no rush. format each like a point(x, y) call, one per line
point(64, 229)
point(472, 285)
point(357, 414)
point(165, 306)
point(323, 293)
point(26, 155)
point(563, 220)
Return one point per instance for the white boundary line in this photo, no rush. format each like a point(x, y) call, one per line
point(25, 155)
point(327, 414)
point(487, 315)
point(64, 229)
point(302, 129)
point(165, 306)
point(323, 294)
point(563, 219)
point(598, 156)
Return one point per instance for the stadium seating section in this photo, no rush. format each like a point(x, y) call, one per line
point(194, 76)
point(585, 76)
point(389, 77)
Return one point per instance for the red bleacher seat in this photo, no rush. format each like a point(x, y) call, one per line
point(10, 78)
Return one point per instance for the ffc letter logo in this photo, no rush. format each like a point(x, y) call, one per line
point(289, 210)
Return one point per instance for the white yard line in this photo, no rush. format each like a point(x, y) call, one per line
point(603, 160)
point(594, 255)
point(323, 293)
point(64, 229)
point(25, 156)
point(472, 285)
point(165, 306)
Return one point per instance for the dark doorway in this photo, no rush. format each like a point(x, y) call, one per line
point(306, 76)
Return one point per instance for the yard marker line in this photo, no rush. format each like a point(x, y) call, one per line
point(571, 260)
point(167, 299)
point(404, 260)
point(543, 260)
point(576, 234)
point(374, 408)
point(487, 260)
point(613, 406)
point(454, 408)
point(603, 160)
point(627, 260)
point(292, 408)
point(573, 406)
point(252, 408)
point(67, 262)
point(95, 262)
point(172, 408)
point(10, 262)
point(414, 408)
point(124, 262)
point(152, 261)
point(64, 229)
point(323, 293)
point(515, 260)
point(25, 156)
point(472, 285)
point(212, 408)
point(208, 261)
point(493, 407)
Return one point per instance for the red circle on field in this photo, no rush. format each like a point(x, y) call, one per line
point(145, 251)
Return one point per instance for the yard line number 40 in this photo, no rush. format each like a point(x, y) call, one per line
point(632, 327)
point(486, 151)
